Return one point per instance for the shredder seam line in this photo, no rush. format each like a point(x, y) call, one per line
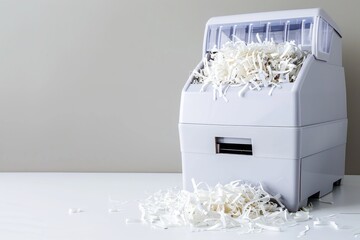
point(264, 126)
point(247, 156)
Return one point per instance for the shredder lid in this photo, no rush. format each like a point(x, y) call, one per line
point(279, 26)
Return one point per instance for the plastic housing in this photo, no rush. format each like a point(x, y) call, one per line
point(295, 139)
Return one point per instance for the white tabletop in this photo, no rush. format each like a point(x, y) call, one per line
point(36, 205)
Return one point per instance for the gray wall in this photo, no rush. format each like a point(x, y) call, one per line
point(94, 85)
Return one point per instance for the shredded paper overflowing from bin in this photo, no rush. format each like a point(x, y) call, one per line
point(250, 66)
point(237, 205)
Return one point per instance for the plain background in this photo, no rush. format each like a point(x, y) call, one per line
point(94, 85)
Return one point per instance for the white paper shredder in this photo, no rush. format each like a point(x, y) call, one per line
point(293, 142)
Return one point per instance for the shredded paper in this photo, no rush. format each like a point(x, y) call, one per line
point(250, 66)
point(237, 205)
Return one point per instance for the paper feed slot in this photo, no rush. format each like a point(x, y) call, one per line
point(239, 146)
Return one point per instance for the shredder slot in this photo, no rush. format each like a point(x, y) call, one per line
point(239, 146)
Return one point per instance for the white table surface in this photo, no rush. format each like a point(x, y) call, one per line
point(35, 206)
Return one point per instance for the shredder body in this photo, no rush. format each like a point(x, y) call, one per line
point(292, 142)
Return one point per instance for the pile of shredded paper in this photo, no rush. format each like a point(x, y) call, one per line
point(250, 66)
point(237, 205)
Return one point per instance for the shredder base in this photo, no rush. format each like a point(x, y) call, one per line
point(294, 179)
